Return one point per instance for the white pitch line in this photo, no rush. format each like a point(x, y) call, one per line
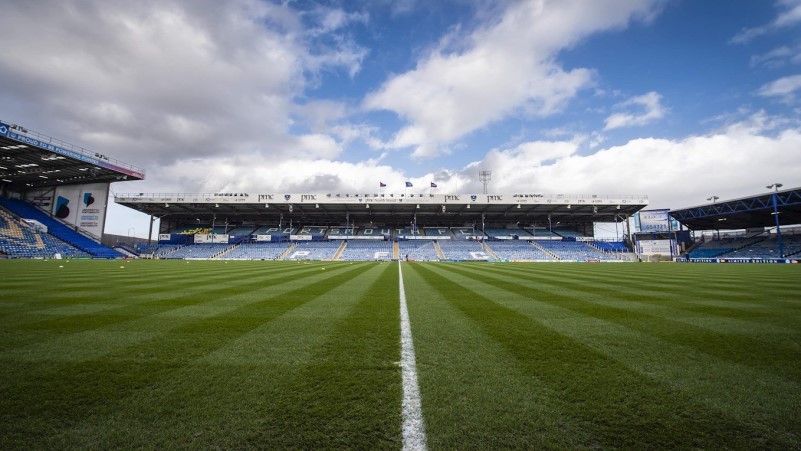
point(414, 431)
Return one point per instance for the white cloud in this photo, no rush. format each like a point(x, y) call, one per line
point(160, 81)
point(674, 173)
point(778, 57)
point(789, 15)
point(783, 88)
point(649, 103)
point(504, 66)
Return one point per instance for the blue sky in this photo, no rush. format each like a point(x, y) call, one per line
point(678, 100)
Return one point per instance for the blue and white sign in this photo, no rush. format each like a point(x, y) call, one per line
point(3, 129)
point(654, 221)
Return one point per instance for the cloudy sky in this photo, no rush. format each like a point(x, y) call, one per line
point(679, 100)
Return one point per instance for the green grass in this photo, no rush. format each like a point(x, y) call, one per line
point(206, 354)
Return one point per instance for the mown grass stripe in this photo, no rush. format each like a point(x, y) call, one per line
point(617, 406)
point(346, 396)
point(778, 355)
point(728, 387)
point(36, 390)
point(270, 395)
point(475, 393)
point(123, 313)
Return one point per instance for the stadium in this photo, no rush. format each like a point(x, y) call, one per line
point(272, 320)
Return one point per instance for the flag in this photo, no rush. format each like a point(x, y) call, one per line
point(433, 185)
point(409, 184)
point(382, 185)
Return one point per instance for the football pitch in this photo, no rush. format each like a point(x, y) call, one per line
point(209, 354)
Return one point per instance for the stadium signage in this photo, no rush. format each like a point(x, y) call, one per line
point(421, 199)
point(654, 221)
point(4, 129)
point(66, 152)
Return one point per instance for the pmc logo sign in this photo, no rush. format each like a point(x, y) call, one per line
point(3, 129)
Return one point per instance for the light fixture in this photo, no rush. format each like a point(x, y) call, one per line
point(468, 205)
point(316, 205)
point(266, 205)
point(618, 207)
point(568, 205)
point(443, 209)
point(518, 205)
point(166, 205)
point(418, 206)
point(216, 205)
point(366, 205)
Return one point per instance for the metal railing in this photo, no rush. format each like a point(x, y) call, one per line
point(65, 145)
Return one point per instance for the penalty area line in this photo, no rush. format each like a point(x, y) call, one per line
point(414, 433)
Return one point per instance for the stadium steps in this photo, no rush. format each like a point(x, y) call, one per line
point(170, 252)
point(125, 252)
point(613, 254)
point(694, 246)
point(341, 249)
point(288, 251)
point(440, 254)
point(131, 250)
point(489, 250)
point(546, 251)
point(224, 251)
point(222, 254)
point(395, 250)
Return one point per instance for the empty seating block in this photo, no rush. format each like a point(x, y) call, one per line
point(157, 250)
point(518, 250)
point(198, 251)
point(421, 250)
point(20, 241)
point(314, 250)
point(463, 250)
point(611, 246)
point(360, 250)
point(59, 230)
point(257, 251)
point(574, 251)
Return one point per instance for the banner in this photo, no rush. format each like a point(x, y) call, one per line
point(164, 237)
point(66, 205)
point(656, 247)
point(83, 206)
point(4, 129)
point(261, 238)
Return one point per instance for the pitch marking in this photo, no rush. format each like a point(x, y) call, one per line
point(414, 433)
